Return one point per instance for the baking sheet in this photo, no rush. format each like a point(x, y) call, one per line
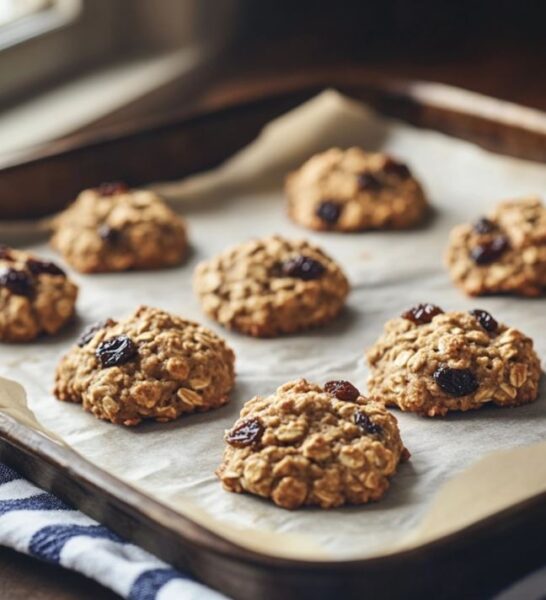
point(389, 272)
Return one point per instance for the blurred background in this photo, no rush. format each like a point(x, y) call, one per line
point(86, 65)
point(70, 67)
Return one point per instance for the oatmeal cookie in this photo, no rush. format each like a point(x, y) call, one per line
point(307, 445)
point(271, 286)
point(504, 252)
point(112, 228)
point(431, 362)
point(152, 365)
point(36, 296)
point(353, 190)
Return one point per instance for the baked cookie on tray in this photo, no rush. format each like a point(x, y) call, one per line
point(307, 445)
point(353, 190)
point(504, 252)
point(271, 286)
point(152, 365)
point(431, 362)
point(36, 296)
point(114, 228)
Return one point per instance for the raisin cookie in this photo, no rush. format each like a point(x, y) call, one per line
point(112, 228)
point(271, 286)
point(307, 445)
point(152, 365)
point(431, 362)
point(502, 253)
point(35, 296)
point(353, 190)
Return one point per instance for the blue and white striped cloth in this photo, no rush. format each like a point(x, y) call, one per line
point(39, 524)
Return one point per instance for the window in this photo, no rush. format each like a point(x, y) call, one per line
point(21, 20)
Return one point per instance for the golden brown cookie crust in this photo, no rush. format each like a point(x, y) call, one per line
point(362, 190)
point(245, 288)
point(405, 359)
point(35, 296)
point(179, 367)
point(119, 231)
point(311, 451)
point(520, 266)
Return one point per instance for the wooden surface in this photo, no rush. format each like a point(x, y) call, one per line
point(505, 72)
point(24, 578)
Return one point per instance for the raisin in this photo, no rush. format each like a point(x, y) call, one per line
point(112, 188)
point(396, 168)
point(248, 433)
point(17, 282)
point(303, 267)
point(109, 234)
point(36, 267)
point(485, 320)
point(342, 390)
point(87, 334)
point(484, 225)
point(116, 351)
point(369, 182)
point(422, 313)
point(456, 382)
point(329, 211)
point(5, 252)
point(484, 254)
point(365, 423)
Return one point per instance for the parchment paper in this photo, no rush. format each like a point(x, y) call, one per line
point(389, 272)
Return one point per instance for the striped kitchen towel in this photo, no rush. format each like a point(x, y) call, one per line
point(39, 524)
